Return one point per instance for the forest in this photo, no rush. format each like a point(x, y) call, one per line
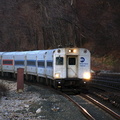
point(45, 24)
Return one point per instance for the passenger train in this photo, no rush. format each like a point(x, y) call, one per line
point(62, 68)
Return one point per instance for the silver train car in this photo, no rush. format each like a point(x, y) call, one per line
point(62, 68)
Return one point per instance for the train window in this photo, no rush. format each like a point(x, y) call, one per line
point(17, 62)
point(31, 62)
point(49, 64)
point(72, 61)
point(59, 60)
point(41, 63)
point(7, 62)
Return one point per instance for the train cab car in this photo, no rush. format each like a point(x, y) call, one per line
point(71, 67)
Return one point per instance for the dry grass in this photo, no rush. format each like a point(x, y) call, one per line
point(3, 90)
point(105, 63)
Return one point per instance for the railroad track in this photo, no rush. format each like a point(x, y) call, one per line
point(89, 107)
point(107, 87)
point(85, 106)
point(110, 97)
point(92, 109)
point(112, 113)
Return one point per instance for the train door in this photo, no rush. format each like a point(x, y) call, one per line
point(72, 63)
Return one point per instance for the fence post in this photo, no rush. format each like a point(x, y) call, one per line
point(20, 79)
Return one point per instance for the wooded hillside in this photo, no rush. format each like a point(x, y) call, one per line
point(45, 24)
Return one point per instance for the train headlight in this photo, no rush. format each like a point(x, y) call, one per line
point(87, 75)
point(57, 75)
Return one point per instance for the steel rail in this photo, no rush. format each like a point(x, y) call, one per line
point(112, 113)
point(83, 110)
point(105, 81)
point(104, 86)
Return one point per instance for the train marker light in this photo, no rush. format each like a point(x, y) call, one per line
point(72, 50)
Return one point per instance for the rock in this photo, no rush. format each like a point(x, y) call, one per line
point(41, 117)
point(26, 106)
point(1, 118)
point(38, 110)
point(5, 98)
point(55, 108)
point(20, 90)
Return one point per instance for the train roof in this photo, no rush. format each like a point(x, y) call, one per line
point(9, 53)
point(1, 53)
point(37, 52)
point(82, 50)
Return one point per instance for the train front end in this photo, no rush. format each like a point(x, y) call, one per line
point(71, 68)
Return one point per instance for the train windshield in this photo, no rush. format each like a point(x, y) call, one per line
point(59, 60)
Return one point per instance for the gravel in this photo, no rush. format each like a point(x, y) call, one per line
point(36, 103)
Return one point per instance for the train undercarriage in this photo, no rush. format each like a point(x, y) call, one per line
point(72, 84)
